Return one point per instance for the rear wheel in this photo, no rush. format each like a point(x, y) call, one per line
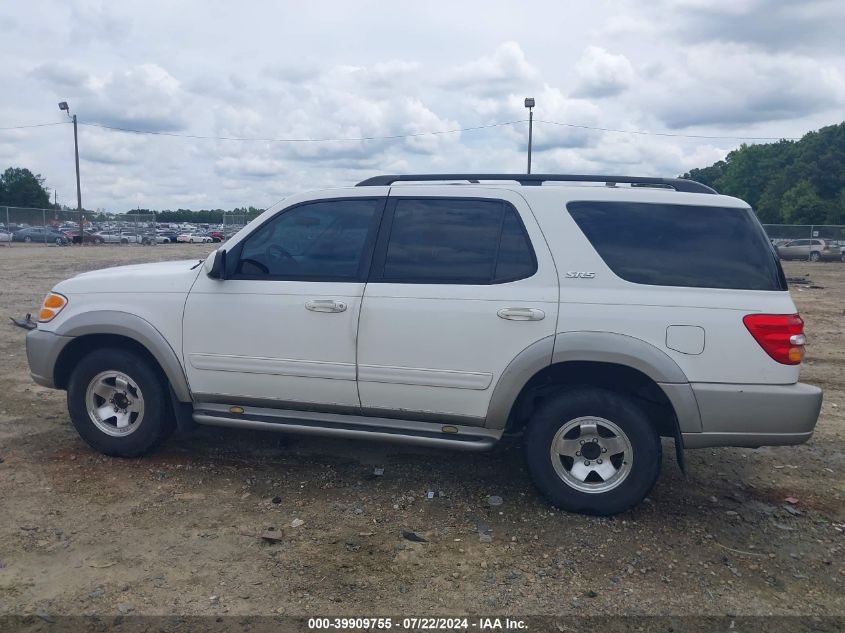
point(27, 239)
point(593, 451)
point(118, 403)
point(815, 256)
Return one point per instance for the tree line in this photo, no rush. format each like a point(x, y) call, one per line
point(787, 182)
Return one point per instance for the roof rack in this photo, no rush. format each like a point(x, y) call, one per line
point(678, 184)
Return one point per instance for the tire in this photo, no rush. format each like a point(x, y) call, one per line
point(815, 256)
point(27, 239)
point(147, 418)
point(620, 424)
point(60, 241)
point(98, 241)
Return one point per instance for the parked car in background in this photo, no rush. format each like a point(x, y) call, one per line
point(814, 250)
point(170, 236)
point(217, 236)
point(5, 237)
point(193, 238)
point(119, 237)
point(88, 237)
point(40, 234)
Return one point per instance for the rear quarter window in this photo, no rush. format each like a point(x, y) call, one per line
point(680, 245)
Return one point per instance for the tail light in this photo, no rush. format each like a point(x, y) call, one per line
point(826, 247)
point(780, 335)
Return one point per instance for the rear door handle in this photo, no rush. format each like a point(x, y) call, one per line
point(325, 305)
point(521, 314)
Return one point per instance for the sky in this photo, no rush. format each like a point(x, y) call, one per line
point(327, 69)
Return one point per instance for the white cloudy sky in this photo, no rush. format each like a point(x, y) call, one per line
point(356, 68)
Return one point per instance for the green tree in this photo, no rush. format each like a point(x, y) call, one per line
point(786, 181)
point(801, 204)
point(19, 187)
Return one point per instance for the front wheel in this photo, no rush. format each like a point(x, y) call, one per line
point(592, 451)
point(118, 403)
point(815, 256)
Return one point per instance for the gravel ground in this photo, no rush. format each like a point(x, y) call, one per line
point(179, 532)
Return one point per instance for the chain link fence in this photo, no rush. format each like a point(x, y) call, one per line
point(232, 223)
point(808, 242)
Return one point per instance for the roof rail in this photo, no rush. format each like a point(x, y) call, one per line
point(678, 184)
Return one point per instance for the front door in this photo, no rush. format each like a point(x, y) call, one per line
point(460, 286)
point(280, 329)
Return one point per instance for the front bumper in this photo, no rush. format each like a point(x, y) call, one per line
point(754, 415)
point(42, 351)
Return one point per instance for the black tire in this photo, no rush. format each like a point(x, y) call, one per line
point(620, 410)
point(157, 422)
point(815, 256)
point(27, 239)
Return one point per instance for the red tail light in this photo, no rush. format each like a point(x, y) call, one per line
point(826, 247)
point(780, 335)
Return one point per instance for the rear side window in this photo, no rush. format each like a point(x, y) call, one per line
point(458, 241)
point(681, 245)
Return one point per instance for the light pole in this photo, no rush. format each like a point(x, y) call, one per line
point(529, 103)
point(64, 106)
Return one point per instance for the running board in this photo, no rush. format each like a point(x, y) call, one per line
point(467, 438)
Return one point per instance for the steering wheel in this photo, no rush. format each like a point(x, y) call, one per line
point(278, 255)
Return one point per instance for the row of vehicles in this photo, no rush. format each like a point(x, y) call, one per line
point(62, 237)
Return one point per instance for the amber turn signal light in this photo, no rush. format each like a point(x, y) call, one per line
point(53, 304)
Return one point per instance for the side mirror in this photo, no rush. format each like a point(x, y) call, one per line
point(218, 265)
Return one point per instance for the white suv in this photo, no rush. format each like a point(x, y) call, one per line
point(447, 310)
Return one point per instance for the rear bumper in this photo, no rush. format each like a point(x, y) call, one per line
point(42, 351)
point(754, 415)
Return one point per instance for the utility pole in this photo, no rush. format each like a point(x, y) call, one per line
point(529, 103)
point(64, 106)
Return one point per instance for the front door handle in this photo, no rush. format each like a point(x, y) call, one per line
point(325, 305)
point(521, 314)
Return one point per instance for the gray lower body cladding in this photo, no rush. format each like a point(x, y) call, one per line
point(42, 352)
point(754, 415)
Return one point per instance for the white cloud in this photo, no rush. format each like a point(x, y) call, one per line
point(334, 70)
point(506, 69)
point(602, 74)
point(731, 85)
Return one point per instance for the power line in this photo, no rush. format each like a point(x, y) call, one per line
point(302, 140)
point(24, 127)
point(412, 135)
point(701, 136)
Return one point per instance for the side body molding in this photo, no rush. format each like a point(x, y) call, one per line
point(604, 347)
point(138, 329)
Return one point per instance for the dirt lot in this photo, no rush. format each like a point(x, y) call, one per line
point(175, 533)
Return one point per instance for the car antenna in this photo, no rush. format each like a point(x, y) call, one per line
point(199, 263)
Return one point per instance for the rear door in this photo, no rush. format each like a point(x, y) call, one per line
point(460, 285)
